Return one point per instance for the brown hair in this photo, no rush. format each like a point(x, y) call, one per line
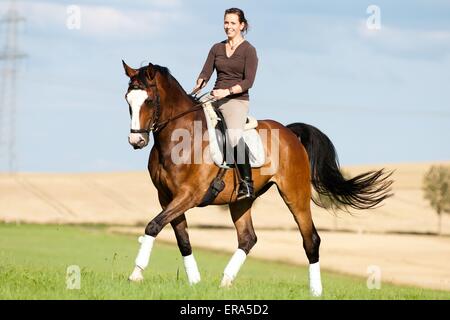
point(241, 16)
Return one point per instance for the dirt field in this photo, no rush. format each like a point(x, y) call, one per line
point(370, 237)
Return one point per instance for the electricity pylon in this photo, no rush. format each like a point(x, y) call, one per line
point(9, 57)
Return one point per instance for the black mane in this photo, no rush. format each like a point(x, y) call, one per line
point(166, 72)
point(163, 70)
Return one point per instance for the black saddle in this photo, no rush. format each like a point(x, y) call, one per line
point(222, 138)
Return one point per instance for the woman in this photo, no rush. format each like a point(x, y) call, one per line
point(235, 61)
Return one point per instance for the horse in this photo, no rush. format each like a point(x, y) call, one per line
point(304, 156)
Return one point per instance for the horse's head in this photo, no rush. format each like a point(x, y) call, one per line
point(143, 101)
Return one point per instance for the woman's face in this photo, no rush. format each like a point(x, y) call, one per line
point(232, 26)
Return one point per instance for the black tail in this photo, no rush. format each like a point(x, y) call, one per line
point(364, 191)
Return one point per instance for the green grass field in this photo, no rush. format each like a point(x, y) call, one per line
point(34, 260)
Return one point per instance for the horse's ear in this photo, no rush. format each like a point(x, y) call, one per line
point(151, 71)
point(130, 72)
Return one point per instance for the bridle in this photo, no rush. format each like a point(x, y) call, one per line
point(156, 104)
point(156, 126)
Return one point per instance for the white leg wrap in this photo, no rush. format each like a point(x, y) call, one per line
point(232, 268)
point(144, 251)
point(136, 275)
point(190, 265)
point(142, 258)
point(315, 283)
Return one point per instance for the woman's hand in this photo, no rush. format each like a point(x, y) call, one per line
point(199, 85)
point(220, 93)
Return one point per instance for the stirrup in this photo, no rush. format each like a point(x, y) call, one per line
point(246, 190)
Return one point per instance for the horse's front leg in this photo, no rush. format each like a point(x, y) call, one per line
point(174, 209)
point(180, 226)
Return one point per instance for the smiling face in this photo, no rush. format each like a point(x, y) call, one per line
point(232, 26)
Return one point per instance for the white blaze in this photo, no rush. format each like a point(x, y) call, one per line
point(136, 99)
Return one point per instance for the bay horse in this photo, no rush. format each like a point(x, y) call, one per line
point(305, 156)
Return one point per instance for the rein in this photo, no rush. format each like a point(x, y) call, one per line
point(196, 107)
point(155, 126)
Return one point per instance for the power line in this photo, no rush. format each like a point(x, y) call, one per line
point(10, 55)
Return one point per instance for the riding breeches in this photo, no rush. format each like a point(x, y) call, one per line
point(235, 112)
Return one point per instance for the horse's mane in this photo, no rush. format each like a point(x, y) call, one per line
point(164, 71)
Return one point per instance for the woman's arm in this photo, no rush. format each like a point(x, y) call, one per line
point(251, 65)
point(206, 72)
point(208, 67)
point(200, 84)
point(222, 93)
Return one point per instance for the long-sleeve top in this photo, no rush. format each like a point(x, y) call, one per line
point(239, 68)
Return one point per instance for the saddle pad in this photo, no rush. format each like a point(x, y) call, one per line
point(250, 135)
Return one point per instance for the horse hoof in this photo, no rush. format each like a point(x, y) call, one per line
point(226, 282)
point(136, 276)
point(135, 279)
point(316, 292)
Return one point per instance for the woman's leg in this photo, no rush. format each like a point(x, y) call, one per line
point(235, 113)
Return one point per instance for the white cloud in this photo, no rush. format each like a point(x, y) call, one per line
point(408, 43)
point(98, 20)
point(350, 61)
point(110, 21)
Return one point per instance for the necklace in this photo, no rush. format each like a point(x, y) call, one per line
point(236, 44)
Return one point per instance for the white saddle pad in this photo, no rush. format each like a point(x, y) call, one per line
point(251, 138)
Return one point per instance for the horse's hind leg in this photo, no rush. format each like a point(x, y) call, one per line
point(295, 190)
point(241, 215)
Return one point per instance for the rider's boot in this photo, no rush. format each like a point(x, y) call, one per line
point(245, 171)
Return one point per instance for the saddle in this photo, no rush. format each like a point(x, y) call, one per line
point(221, 150)
point(219, 147)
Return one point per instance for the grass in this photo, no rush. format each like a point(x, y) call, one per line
point(34, 260)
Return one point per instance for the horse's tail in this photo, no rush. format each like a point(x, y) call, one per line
point(361, 192)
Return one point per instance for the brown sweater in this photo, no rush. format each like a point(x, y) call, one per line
point(239, 69)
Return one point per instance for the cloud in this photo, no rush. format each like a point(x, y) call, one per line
point(109, 21)
point(407, 43)
point(101, 20)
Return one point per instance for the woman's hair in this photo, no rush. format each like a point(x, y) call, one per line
point(241, 16)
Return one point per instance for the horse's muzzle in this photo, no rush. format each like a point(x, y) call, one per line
point(138, 140)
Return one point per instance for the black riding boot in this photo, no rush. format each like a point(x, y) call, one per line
point(245, 171)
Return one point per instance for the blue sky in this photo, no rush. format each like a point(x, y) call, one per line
point(382, 96)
